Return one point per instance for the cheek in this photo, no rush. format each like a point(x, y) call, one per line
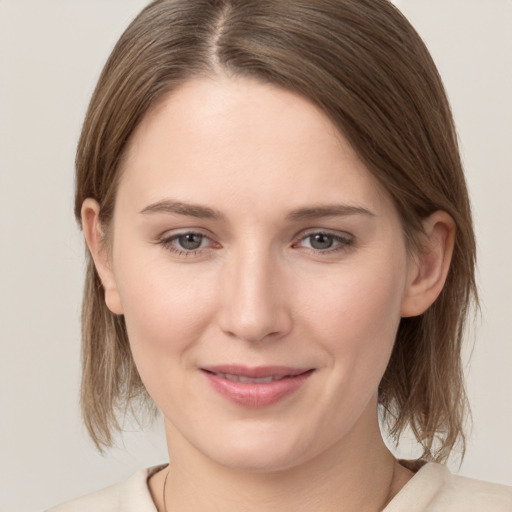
point(354, 301)
point(166, 311)
point(355, 316)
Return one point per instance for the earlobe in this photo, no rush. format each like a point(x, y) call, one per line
point(93, 234)
point(431, 264)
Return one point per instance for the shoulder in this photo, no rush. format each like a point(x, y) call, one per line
point(131, 495)
point(434, 489)
point(468, 495)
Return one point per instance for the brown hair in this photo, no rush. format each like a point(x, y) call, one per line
point(365, 66)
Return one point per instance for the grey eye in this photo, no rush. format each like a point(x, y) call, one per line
point(190, 241)
point(321, 241)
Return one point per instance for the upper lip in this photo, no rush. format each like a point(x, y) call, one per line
point(255, 372)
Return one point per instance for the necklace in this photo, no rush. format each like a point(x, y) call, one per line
point(165, 483)
point(389, 497)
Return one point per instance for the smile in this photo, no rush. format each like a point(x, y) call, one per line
point(241, 378)
point(255, 387)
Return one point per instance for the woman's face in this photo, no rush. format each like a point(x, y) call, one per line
point(262, 273)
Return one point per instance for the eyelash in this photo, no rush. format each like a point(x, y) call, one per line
point(168, 244)
point(343, 243)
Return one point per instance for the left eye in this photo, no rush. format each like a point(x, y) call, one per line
point(324, 241)
point(190, 241)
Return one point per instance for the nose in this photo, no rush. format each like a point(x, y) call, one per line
point(254, 302)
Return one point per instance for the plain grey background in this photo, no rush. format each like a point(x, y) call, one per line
point(51, 53)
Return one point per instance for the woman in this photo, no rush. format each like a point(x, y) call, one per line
point(281, 250)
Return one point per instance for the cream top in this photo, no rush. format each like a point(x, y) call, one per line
point(432, 489)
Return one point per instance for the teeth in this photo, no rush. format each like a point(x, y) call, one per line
point(240, 378)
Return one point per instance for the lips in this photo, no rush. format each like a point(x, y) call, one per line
point(255, 387)
point(241, 378)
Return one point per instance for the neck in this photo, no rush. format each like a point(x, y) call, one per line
point(357, 474)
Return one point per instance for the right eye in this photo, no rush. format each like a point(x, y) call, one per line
point(186, 244)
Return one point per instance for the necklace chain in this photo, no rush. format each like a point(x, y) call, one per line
point(169, 470)
point(165, 484)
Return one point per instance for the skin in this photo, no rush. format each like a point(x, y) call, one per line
point(258, 292)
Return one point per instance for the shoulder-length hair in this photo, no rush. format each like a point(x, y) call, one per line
point(366, 68)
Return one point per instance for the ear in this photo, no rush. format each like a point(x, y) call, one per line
point(93, 234)
point(429, 267)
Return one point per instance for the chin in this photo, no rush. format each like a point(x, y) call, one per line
point(259, 450)
point(256, 460)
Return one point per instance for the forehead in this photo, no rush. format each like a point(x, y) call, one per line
point(237, 137)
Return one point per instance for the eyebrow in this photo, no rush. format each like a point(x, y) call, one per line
point(180, 208)
point(334, 210)
point(205, 212)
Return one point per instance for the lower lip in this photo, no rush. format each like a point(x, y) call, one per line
point(256, 394)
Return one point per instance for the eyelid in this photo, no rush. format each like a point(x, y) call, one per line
point(167, 239)
point(344, 235)
point(344, 238)
point(175, 233)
